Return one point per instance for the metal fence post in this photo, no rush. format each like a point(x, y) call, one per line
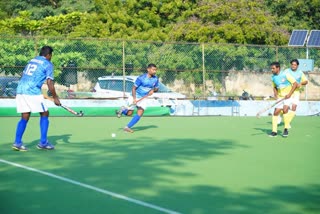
point(203, 72)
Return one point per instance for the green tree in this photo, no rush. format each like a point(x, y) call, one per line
point(297, 14)
point(220, 21)
point(229, 21)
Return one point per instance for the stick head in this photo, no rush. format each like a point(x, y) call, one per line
point(80, 114)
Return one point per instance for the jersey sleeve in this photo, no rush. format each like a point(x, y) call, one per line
point(138, 82)
point(156, 84)
point(49, 71)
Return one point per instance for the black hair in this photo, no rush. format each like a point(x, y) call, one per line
point(151, 65)
point(45, 50)
point(295, 60)
point(277, 64)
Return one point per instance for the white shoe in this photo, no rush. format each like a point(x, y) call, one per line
point(127, 129)
point(119, 111)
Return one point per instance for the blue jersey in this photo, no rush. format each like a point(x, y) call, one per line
point(34, 74)
point(144, 84)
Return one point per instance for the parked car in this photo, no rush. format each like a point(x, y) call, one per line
point(8, 86)
point(113, 87)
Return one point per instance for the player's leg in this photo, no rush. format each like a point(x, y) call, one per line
point(23, 108)
point(141, 108)
point(280, 117)
point(44, 126)
point(292, 112)
point(21, 127)
point(134, 120)
point(37, 104)
point(276, 113)
point(126, 110)
point(286, 117)
point(122, 111)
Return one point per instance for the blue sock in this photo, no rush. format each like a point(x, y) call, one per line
point(21, 127)
point(134, 120)
point(44, 125)
point(125, 111)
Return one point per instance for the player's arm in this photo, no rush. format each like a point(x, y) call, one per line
point(304, 80)
point(156, 87)
point(294, 85)
point(136, 84)
point(134, 93)
point(52, 89)
point(275, 90)
point(152, 91)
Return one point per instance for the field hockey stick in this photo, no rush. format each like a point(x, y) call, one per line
point(134, 104)
point(269, 107)
point(79, 114)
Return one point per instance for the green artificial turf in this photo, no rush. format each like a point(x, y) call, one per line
point(197, 165)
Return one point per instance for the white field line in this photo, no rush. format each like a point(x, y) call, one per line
point(106, 192)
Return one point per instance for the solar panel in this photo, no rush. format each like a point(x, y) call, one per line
point(314, 39)
point(298, 38)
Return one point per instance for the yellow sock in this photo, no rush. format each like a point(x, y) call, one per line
point(291, 115)
point(275, 124)
point(286, 120)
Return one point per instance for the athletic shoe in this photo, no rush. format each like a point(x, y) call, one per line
point(127, 129)
point(273, 134)
point(20, 147)
point(119, 112)
point(285, 133)
point(47, 146)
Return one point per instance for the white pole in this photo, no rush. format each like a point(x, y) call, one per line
point(123, 68)
point(203, 71)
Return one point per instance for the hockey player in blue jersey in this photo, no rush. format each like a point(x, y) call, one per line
point(30, 99)
point(144, 86)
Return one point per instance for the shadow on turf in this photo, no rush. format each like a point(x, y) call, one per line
point(141, 128)
point(284, 199)
point(54, 139)
point(154, 171)
point(136, 169)
point(263, 131)
point(268, 131)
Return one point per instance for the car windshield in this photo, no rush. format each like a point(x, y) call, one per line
point(163, 88)
point(7, 83)
point(117, 85)
point(4, 80)
point(13, 84)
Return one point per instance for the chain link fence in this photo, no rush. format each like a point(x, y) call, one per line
point(191, 69)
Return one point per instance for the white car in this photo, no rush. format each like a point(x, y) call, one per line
point(114, 87)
